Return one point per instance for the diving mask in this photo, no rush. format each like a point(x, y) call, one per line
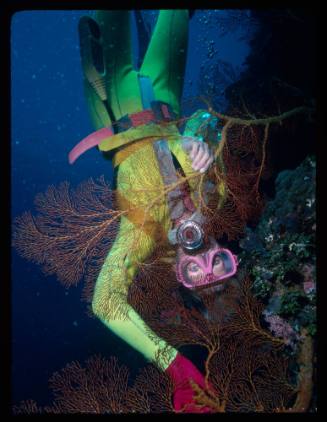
point(205, 268)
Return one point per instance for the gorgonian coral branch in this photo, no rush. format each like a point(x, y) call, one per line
point(71, 230)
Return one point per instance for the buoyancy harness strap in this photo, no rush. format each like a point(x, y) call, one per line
point(150, 123)
point(138, 133)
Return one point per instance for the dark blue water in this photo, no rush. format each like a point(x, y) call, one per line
point(49, 323)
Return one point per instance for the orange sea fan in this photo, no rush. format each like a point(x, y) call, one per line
point(71, 231)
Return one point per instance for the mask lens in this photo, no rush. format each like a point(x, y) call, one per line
point(222, 265)
point(194, 274)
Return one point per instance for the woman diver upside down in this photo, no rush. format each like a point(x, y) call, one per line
point(133, 112)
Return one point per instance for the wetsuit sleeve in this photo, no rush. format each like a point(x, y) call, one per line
point(131, 247)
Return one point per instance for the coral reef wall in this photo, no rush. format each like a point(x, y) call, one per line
point(280, 256)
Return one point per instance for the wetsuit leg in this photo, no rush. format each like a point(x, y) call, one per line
point(164, 62)
point(165, 58)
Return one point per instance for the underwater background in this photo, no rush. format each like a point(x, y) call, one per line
point(229, 50)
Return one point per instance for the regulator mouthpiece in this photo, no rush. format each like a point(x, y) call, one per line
point(190, 235)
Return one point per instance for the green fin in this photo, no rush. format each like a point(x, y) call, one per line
point(92, 55)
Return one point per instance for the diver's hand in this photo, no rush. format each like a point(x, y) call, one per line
point(182, 371)
point(200, 154)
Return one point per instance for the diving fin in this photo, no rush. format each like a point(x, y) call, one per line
point(92, 55)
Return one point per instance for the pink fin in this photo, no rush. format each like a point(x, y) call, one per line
point(89, 142)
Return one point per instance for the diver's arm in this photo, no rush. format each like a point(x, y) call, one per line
point(181, 370)
point(138, 335)
point(111, 306)
point(110, 296)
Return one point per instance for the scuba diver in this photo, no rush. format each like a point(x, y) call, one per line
point(134, 113)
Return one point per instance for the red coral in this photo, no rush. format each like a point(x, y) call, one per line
point(243, 163)
point(27, 407)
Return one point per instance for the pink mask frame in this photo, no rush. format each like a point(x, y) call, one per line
point(205, 261)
